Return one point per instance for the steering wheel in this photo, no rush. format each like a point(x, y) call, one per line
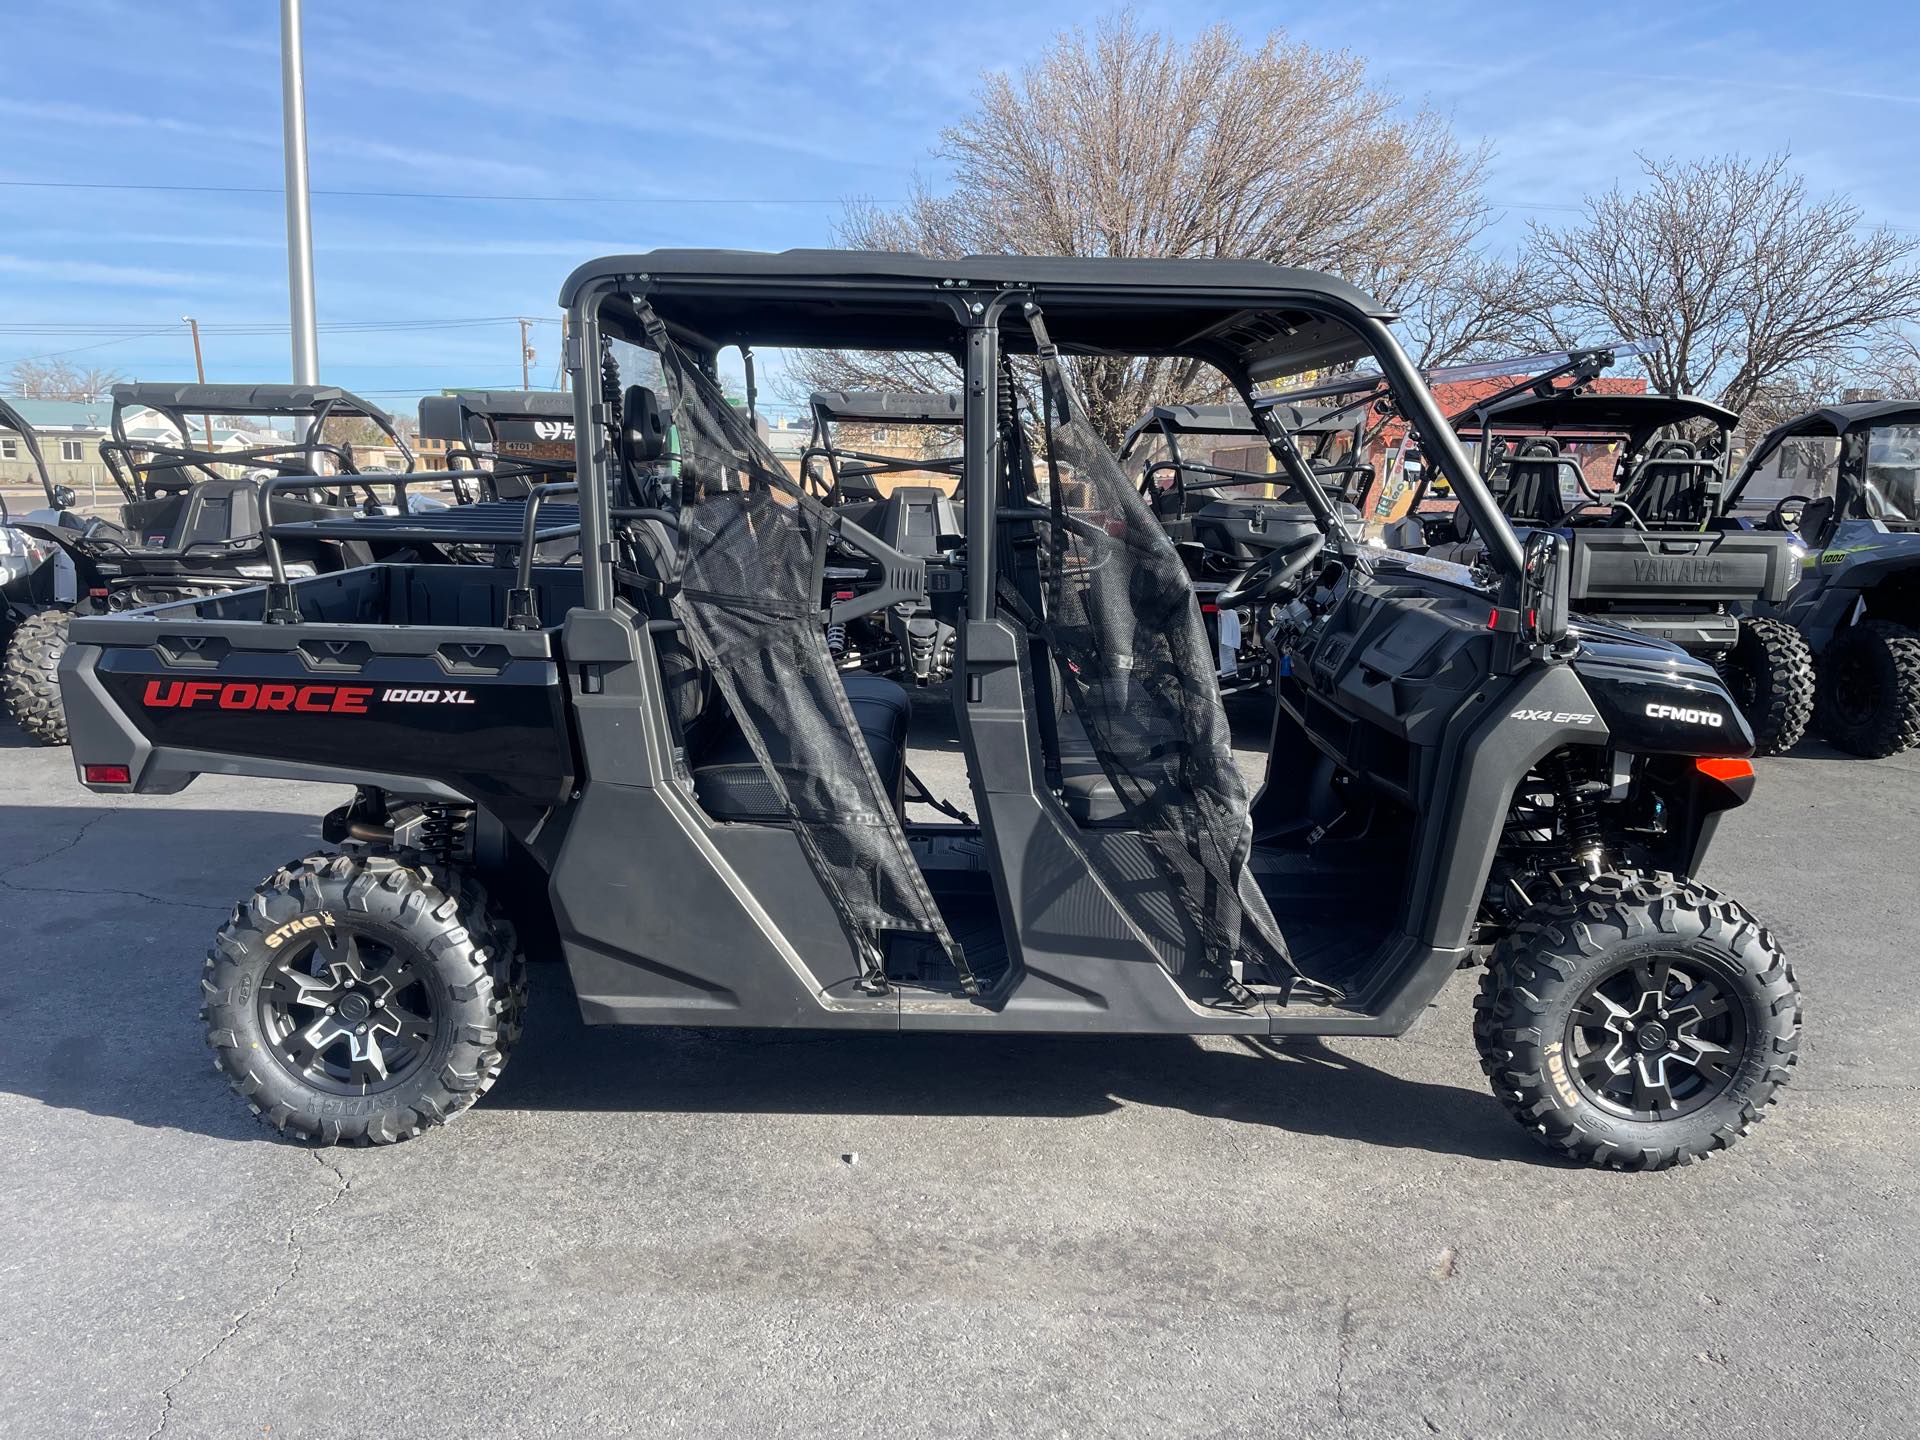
point(1777, 517)
point(1266, 579)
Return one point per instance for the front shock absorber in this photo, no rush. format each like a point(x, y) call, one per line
point(1575, 797)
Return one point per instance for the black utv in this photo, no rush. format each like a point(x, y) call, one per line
point(1653, 553)
point(648, 764)
point(189, 522)
point(1843, 482)
point(1227, 513)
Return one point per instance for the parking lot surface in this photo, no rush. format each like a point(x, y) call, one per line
point(683, 1233)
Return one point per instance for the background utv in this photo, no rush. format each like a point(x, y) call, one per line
point(648, 764)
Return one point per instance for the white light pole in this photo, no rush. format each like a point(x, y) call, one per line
point(293, 103)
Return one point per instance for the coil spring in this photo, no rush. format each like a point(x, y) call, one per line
point(1579, 816)
point(836, 640)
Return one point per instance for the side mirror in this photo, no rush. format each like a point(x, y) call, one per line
point(1544, 584)
point(65, 497)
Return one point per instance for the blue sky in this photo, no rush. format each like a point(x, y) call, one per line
point(740, 125)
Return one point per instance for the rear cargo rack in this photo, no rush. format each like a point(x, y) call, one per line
point(502, 524)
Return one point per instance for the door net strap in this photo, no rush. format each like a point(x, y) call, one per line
point(1132, 653)
point(752, 550)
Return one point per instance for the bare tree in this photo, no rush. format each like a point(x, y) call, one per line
point(1743, 284)
point(1128, 143)
point(60, 380)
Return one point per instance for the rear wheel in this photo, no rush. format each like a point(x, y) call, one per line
point(1638, 1021)
point(1770, 672)
point(359, 999)
point(1869, 689)
point(32, 676)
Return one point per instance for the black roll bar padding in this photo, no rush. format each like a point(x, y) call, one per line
point(522, 613)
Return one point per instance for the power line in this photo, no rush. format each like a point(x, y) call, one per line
point(678, 200)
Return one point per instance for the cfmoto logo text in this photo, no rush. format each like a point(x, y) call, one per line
point(1711, 718)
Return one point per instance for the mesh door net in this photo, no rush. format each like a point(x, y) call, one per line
point(1122, 622)
point(752, 547)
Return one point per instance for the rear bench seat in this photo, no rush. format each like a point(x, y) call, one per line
point(730, 784)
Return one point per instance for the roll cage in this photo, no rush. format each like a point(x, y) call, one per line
point(1252, 321)
point(830, 469)
point(478, 425)
point(12, 420)
point(148, 469)
point(1554, 404)
point(1317, 432)
point(1852, 426)
point(1661, 479)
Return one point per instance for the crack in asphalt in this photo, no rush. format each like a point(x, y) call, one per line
point(1345, 1339)
point(71, 843)
point(65, 845)
point(297, 1253)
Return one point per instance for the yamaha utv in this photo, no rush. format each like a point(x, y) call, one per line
point(649, 764)
point(33, 575)
point(1652, 554)
point(844, 465)
point(189, 521)
point(1228, 513)
point(1844, 481)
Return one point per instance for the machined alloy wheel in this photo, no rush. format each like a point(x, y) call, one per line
point(1637, 1020)
point(1656, 1038)
point(348, 1011)
point(361, 998)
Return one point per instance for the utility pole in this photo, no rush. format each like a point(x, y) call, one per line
point(293, 106)
point(526, 355)
point(200, 369)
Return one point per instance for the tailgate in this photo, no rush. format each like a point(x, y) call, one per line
point(156, 697)
point(1699, 567)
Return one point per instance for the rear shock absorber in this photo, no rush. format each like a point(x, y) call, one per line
point(1579, 814)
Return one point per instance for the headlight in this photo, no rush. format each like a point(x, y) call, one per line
point(299, 570)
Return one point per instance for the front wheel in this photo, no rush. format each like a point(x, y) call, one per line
point(1770, 672)
point(1638, 1021)
point(32, 676)
point(359, 999)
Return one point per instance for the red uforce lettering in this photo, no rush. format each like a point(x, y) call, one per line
point(248, 695)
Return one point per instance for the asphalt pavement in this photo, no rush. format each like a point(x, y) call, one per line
point(711, 1233)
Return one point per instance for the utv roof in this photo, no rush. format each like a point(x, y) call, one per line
point(1839, 419)
point(1267, 319)
point(511, 404)
point(899, 407)
point(1592, 411)
point(245, 399)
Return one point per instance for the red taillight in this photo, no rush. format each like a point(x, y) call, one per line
point(106, 774)
point(1725, 769)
